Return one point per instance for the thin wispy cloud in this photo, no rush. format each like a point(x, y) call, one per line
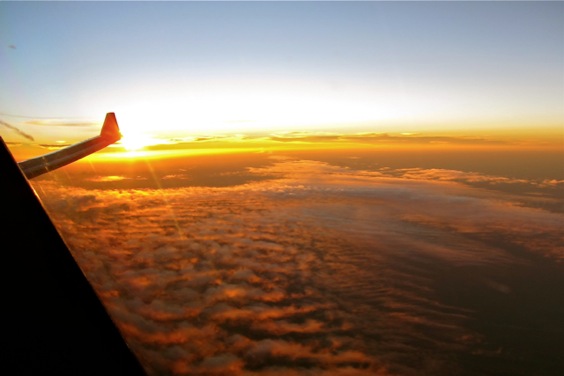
point(382, 138)
point(17, 130)
point(54, 122)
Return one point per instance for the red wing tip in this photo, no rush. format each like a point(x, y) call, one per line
point(110, 127)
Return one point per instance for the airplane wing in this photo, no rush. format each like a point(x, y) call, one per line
point(48, 162)
point(54, 321)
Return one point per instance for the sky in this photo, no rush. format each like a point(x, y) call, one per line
point(177, 69)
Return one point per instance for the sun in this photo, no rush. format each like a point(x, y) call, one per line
point(137, 130)
point(133, 141)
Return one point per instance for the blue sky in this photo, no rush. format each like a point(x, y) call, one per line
point(239, 66)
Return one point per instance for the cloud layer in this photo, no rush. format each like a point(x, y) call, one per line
point(322, 270)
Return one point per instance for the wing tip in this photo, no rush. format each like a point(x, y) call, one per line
point(110, 129)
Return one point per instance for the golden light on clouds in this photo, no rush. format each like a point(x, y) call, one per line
point(350, 263)
point(137, 143)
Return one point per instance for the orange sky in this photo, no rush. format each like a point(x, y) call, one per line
point(131, 146)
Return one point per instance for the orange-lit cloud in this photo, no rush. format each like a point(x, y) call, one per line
point(314, 268)
point(162, 147)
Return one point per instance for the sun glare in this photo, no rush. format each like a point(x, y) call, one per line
point(232, 110)
point(132, 141)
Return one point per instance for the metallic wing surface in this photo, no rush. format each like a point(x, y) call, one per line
point(39, 165)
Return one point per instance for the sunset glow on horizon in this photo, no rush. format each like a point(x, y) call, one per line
point(227, 68)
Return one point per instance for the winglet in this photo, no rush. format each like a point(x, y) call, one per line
point(110, 128)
